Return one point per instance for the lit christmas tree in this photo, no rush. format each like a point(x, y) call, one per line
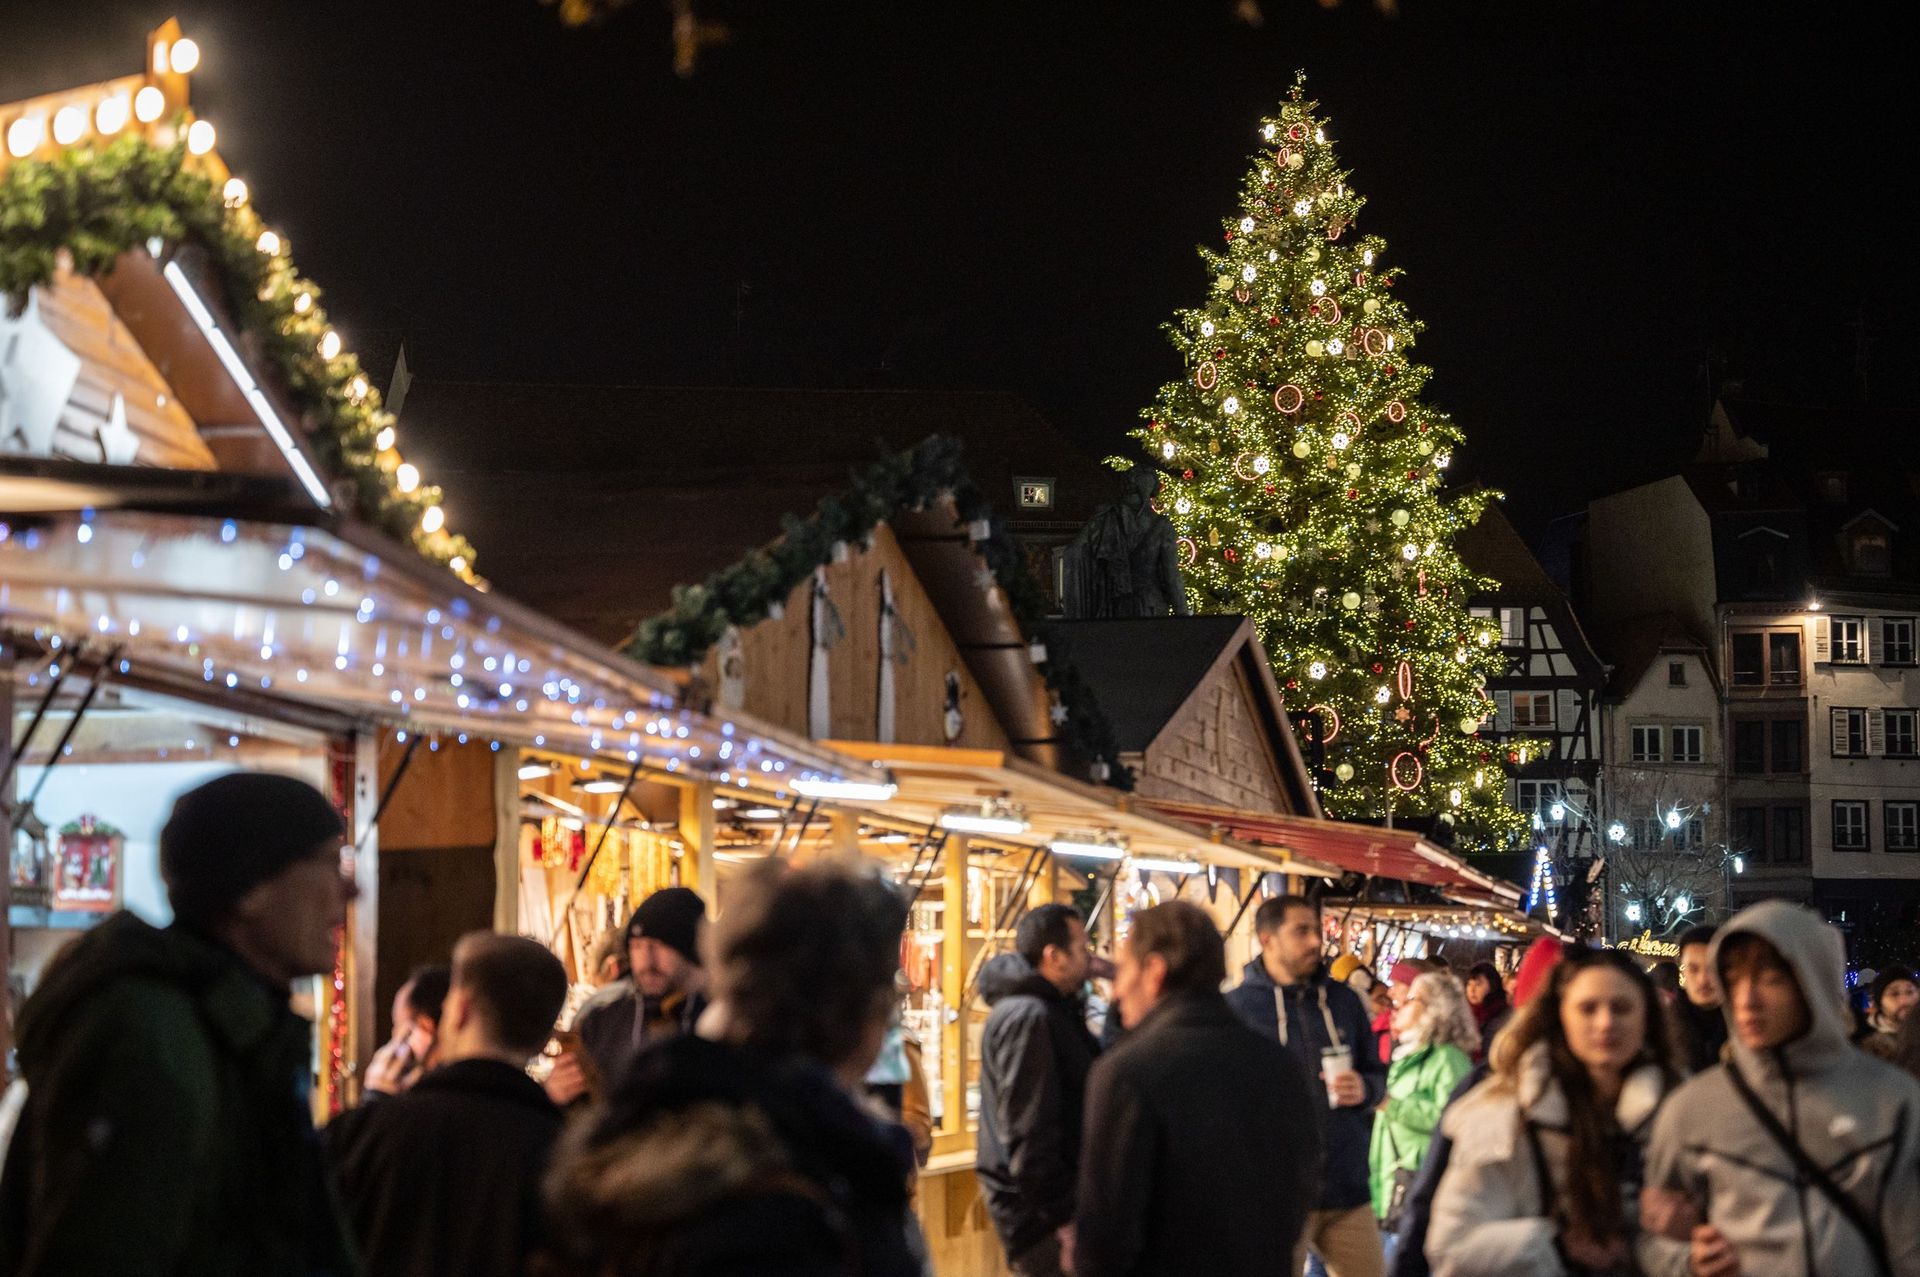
point(1304, 476)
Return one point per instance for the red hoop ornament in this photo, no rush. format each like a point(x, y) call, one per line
point(1327, 309)
point(1190, 550)
point(1351, 420)
point(1396, 412)
point(1289, 399)
point(1401, 760)
point(1280, 156)
point(1374, 342)
point(1207, 377)
point(1427, 744)
point(1403, 679)
point(1297, 132)
point(1333, 716)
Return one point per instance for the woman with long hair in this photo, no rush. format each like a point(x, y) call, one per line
point(1545, 1170)
point(1434, 1040)
point(1487, 996)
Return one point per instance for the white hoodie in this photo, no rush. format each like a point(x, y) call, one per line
point(1857, 1117)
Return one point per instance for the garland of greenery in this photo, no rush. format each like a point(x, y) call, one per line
point(747, 591)
point(95, 204)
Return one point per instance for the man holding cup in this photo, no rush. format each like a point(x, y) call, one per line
point(1287, 993)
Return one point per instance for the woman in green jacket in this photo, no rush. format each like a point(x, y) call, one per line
point(1434, 1040)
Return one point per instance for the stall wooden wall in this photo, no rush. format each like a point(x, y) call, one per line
point(1217, 749)
point(777, 650)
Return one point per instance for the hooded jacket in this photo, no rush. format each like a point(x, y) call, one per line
point(1492, 1217)
point(165, 1129)
point(1856, 1116)
point(710, 1160)
point(619, 1020)
point(1202, 1147)
point(1035, 1054)
point(1313, 1009)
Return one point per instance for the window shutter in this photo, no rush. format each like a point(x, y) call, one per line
point(1880, 634)
point(1822, 644)
point(1838, 718)
point(1503, 711)
point(1876, 731)
point(1866, 640)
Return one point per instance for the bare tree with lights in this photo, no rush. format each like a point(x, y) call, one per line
point(1669, 863)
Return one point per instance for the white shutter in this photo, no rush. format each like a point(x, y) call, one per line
point(1566, 710)
point(1503, 711)
point(1876, 731)
point(1866, 642)
point(1838, 718)
point(1822, 641)
point(1880, 633)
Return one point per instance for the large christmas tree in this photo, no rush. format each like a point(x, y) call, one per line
point(1305, 478)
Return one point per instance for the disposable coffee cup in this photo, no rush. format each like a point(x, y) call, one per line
point(1334, 1061)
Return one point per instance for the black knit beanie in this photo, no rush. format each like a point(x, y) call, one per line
point(672, 916)
point(231, 834)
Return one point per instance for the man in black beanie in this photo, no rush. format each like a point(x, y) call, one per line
point(166, 1128)
point(661, 999)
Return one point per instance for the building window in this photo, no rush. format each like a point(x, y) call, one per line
point(1513, 627)
point(1688, 744)
point(1903, 826)
point(1832, 486)
point(1533, 709)
point(1849, 733)
point(1646, 744)
point(1849, 826)
point(1750, 832)
point(1676, 673)
point(1903, 733)
point(1848, 644)
point(1033, 493)
point(1788, 845)
point(1896, 640)
point(1538, 798)
point(1872, 552)
point(1768, 746)
point(1649, 833)
point(1766, 658)
point(1691, 836)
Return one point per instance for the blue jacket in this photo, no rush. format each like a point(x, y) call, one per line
point(1311, 1008)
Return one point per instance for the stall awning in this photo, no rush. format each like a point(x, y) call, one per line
point(933, 779)
point(1367, 849)
point(330, 624)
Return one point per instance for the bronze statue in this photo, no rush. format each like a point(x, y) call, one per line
point(1126, 561)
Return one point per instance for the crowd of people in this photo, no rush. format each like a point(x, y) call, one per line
point(739, 1099)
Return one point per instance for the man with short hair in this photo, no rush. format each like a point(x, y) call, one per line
point(409, 1052)
point(1035, 1054)
point(445, 1179)
point(1890, 1001)
point(166, 1127)
point(1700, 1028)
point(1286, 994)
point(1797, 1154)
point(662, 997)
point(1202, 1148)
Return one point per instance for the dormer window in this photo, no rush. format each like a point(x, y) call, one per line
point(1831, 485)
point(1870, 551)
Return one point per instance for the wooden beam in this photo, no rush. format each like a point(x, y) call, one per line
point(953, 987)
point(697, 832)
point(506, 841)
point(844, 828)
point(363, 921)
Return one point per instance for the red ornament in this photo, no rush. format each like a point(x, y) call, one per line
point(1378, 668)
point(1229, 236)
point(1273, 321)
point(1513, 755)
point(1269, 487)
point(1186, 474)
point(1409, 622)
point(1293, 685)
point(1353, 494)
point(1411, 474)
point(1231, 556)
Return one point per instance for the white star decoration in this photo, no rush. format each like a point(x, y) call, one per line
point(119, 445)
point(1058, 713)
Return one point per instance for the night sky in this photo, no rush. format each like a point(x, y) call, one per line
point(1593, 201)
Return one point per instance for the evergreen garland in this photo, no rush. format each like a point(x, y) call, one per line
point(96, 204)
point(745, 593)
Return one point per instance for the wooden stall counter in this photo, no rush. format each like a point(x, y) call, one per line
point(953, 1215)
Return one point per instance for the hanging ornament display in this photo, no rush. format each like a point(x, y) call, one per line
point(1330, 717)
point(1343, 772)
point(1403, 680)
point(1405, 771)
point(1207, 377)
point(1289, 398)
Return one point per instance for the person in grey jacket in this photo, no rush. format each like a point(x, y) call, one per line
point(1737, 1159)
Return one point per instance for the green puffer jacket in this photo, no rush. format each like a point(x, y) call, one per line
point(165, 1130)
point(1418, 1084)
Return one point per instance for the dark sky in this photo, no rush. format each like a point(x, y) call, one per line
point(1590, 199)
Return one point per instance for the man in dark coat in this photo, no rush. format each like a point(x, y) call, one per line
point(1700, 1027)
point(1035, 1053)
point(166, 1128)
point(445, 1179)
point(1286, 994)
point(662, 996)
point(1203, 1138)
